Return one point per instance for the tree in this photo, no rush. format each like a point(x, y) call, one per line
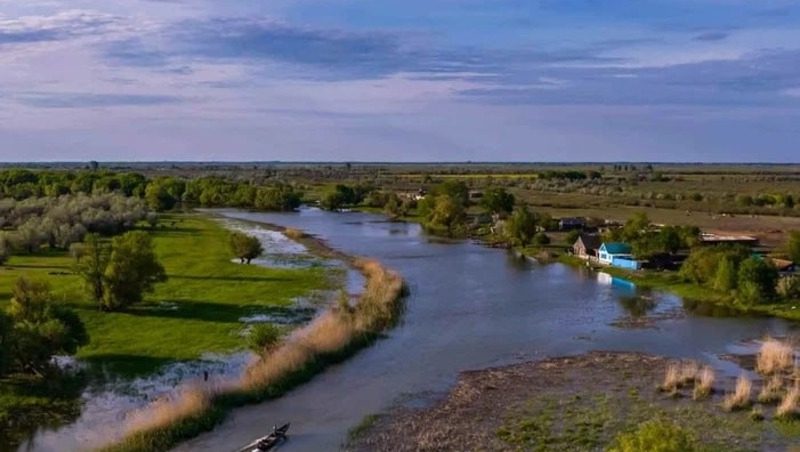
point(337, 197)
point(521, 226)
point(91, 263)
point(5, 248)
point(757, 281)
point(540, 238)
point(725, 279)
point(133, 270)
point(793, 246)
point(498, 200)
point(39, 329)
point(457, 190)
point(245, 247)
point(446, 217)
point(394, 207)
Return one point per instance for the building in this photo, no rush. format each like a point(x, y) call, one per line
point(710, 238)
point(586, 246)
point(569, 223)
point(617, 254)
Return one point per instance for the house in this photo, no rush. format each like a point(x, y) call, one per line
point(569, 223)
point(617, 254)
point(586, 246)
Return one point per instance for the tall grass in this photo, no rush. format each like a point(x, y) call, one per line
point(774, 357)
point(772, 390)
point(704, 382)
point(740, 397)
point(327, 339)
point(789, 405)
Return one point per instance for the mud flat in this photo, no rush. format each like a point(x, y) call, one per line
point(569, 403)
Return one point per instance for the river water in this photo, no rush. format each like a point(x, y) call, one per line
point(469, 307)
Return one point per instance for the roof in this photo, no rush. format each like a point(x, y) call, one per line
point(617, 248)
point(712, 237)
point(590, 241)
point(781, 264)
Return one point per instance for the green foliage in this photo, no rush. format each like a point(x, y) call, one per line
point(726, 278)
point(572, 237)
point(263, 337)
point(446, 217)
point(164, 193)
point(35, 329)
point(280, 198)
point(456, 190)
point(703, 262)
point(656, 436)
point(91, 264)
point(338, 197)
point(394, 207)
point(521, 226)
point(757, 281)
point(793, 246)
point(133, 269)
point(245, 247)
point(789, 287)
point(497, 200)
point(541, 239)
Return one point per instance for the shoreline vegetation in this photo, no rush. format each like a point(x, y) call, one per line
point(333, 336)
point(595, 401)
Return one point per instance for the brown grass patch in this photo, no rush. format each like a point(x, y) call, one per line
point(294, 234)
point(740, 397)
point(772, 390)
point(704, 383)
point(774, 357)
point(789, 405)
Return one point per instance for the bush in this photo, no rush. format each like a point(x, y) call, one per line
point(245, 247)
point(757, 281)
point(541, 239)
point(656, 436)
point(263, 336)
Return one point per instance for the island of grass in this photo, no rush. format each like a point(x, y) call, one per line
point(582, 403)
point(197, 311)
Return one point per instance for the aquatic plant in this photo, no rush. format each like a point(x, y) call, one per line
point(774, 356)
point(672, 378)
point(789, 405)
point(704, 383)
point(740, 397)
point(772, 391)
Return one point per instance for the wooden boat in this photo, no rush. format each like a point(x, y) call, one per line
point(265, 443)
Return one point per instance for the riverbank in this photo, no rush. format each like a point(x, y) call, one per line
point(572, 403)
point(331, 337)
point(197, 313)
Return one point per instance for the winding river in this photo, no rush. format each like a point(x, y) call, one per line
point(470, 307)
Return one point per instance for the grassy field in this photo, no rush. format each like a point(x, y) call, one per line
point(196, 311)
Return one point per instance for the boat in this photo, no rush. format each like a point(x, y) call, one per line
point(265, 443)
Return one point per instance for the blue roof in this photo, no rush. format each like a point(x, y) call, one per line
point(617, 248)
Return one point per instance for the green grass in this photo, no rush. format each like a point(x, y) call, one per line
point(196, 311)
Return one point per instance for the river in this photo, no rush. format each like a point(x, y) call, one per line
point(470, 307)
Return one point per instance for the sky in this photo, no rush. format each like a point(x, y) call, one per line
point(400, 80)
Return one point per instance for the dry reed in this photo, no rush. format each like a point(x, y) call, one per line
point(331, 332)
point(704, 382)
point(672, 378)
point(789, 405)
point(772, 390)
point(740, 397)
point(294, 234)
point(774, 357)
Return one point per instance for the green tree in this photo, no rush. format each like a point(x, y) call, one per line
point(457, 190)
point(521, 226)
point(394, 207)
point(793, 246)
point(498, 200)
point(446, 217)
point(725, 279)
point(39, 329)
point(133, 270)
point(245, 247)
point(91, 265)
point(757, 281)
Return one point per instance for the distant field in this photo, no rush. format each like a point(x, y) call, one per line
point(196, 311)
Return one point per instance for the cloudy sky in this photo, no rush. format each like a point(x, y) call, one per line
point(400, 80)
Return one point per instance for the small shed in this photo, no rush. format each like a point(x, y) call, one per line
point(617, 254)
point(586, 246)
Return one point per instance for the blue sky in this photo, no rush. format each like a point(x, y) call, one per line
point(400, 80)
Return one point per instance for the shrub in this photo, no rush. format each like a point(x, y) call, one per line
point(774, 356)
point(541, 239)
point(245, 247)
point(789, 404)
point(263, 337)
point(656, 436)
point(772, 391)
point(704, 382)
point(789, 287)
point(757, 281)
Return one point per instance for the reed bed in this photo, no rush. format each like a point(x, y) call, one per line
point(789, 405)
point(772, 390)
point(704, 383)
point(740, 397)
point(774, 357)
point(327, 339)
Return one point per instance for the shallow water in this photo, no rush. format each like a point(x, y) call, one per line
point(470, 307)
